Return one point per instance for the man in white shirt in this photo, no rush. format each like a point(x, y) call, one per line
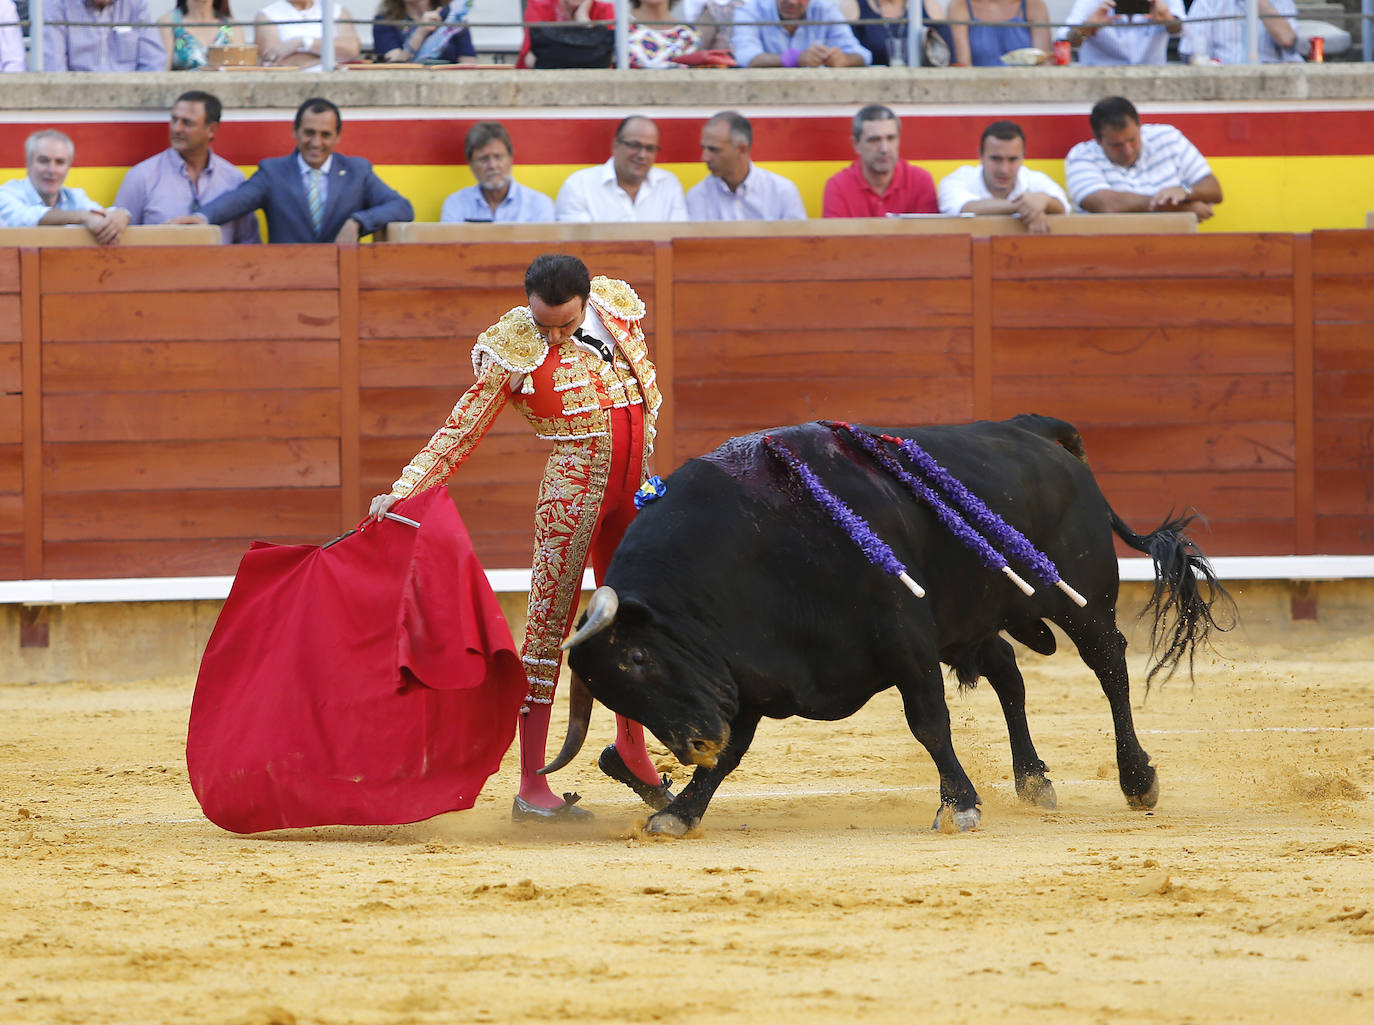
point(628, 187)
point(1133, 168)
point(738, 189)
point(1000, 183)
point(1105, 37)
point(43, 197)
point(1216, 32)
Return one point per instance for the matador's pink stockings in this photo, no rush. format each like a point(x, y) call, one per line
point(534, 735)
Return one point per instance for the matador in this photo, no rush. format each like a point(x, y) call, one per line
point(574, 363)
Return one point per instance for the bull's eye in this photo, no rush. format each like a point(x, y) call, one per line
point(637, 656)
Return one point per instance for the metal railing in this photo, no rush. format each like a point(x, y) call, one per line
point(913, 37)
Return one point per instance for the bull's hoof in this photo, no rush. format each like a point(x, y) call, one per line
point(1147, 800)
point(951, 820)
point(665, 823)
point(1037, 790)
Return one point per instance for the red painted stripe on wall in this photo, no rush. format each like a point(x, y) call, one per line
point(586, 139)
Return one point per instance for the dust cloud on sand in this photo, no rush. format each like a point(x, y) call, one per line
point(814, 891)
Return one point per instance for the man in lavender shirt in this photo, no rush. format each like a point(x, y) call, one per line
point(182, 179)
point(11, 38)
point(103, 39)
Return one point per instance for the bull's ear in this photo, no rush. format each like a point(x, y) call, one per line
point(634, 613)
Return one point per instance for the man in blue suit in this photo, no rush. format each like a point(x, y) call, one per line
point(314, 194)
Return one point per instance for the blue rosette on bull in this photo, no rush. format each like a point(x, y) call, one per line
point(733, 597)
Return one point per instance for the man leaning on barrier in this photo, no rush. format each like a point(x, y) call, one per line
point(42, 198)
point(1128, 167)
point(101, 35)
point(1001, 183)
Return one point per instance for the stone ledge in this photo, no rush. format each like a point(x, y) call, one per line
point(705, 89)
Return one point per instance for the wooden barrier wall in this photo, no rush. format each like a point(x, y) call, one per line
point(160, 408)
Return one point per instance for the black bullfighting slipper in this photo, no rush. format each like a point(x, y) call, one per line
point(523, 811)
point(656, 797)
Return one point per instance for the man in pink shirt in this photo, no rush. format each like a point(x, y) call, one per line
point(880, 182)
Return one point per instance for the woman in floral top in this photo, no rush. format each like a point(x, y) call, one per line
point(188, 46)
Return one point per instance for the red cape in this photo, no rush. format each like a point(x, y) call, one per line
point(370, 681)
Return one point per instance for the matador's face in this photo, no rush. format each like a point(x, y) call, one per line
point(557, 323)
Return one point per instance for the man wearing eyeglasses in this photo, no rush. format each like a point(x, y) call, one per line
point(628, 187)
point(187, 175)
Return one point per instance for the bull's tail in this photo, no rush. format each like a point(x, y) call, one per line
point(1188, 602)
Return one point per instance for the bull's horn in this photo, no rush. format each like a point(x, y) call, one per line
point(600, 614)
point(579, 717)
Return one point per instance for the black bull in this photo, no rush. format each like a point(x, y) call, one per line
point(735, 597)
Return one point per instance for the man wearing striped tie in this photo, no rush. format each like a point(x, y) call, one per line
point(313, 194)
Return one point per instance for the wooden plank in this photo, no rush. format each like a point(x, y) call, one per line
point(172, 416)
point(416, 413)
point(117, 269)
point(11, 559)
point(1079, 304)
point(982, 328)
point(1343, 444)
point(12, 517)
point(458, 314)
point(1231, 495)
point(1352, 535)
point(32, 410)
point(1342, 252)
point(1342, 347)
point(11, 469)
point(1179, 447)
point(11, 319)
point(1303, 396)
point(1149, 400)
point(349, 428)
point(493, 265)
point(1115, 257)
point(515, 458)
point(67, 560)
point(60, 236)
point(864, 258)
point(179, 515)
point(888, 353)
point(663, 347)
point(145, 465)
point(415, 362)
point(11, 367)
point(840, 306)
point(1229, 537)
point(9, 270)
point(188, 366)
point(1339, 493)
point(1344, 395)
point(11, 419)
point(1184, 349)
point(163, 316)
point(1343, 299)
point(744, 406)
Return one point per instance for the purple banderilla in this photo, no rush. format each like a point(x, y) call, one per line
point(971, 510)
point(875, 549)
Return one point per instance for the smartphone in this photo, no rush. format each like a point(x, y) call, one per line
point(1132, 6)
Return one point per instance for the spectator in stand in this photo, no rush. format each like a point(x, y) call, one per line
point(440, 35)
point(188, 46)
point(813, 35)
point(738, 189)
point(11, 38)
point(188, 175)
point(1000, 183)
point(289, 34)
point(100, 37)
point(714, 21)
point(628, 187)
point(312, 194)
point(595, 40)
point(879, 182)
point(1133, 168)
point(1223, 42)
point(1104, 37)
point(42, 198)
point(496, 196)
point(982, 45)
point(655, 39)
point(887, 43)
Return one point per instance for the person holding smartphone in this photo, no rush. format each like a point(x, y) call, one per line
point(1123, 31)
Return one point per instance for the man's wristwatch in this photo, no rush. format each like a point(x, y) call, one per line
point(1187, 189)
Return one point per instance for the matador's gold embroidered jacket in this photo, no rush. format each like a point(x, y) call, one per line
point(565, 394)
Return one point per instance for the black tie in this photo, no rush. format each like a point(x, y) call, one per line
point(602, 349)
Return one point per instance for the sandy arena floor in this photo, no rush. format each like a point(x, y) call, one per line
point(815, 892)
